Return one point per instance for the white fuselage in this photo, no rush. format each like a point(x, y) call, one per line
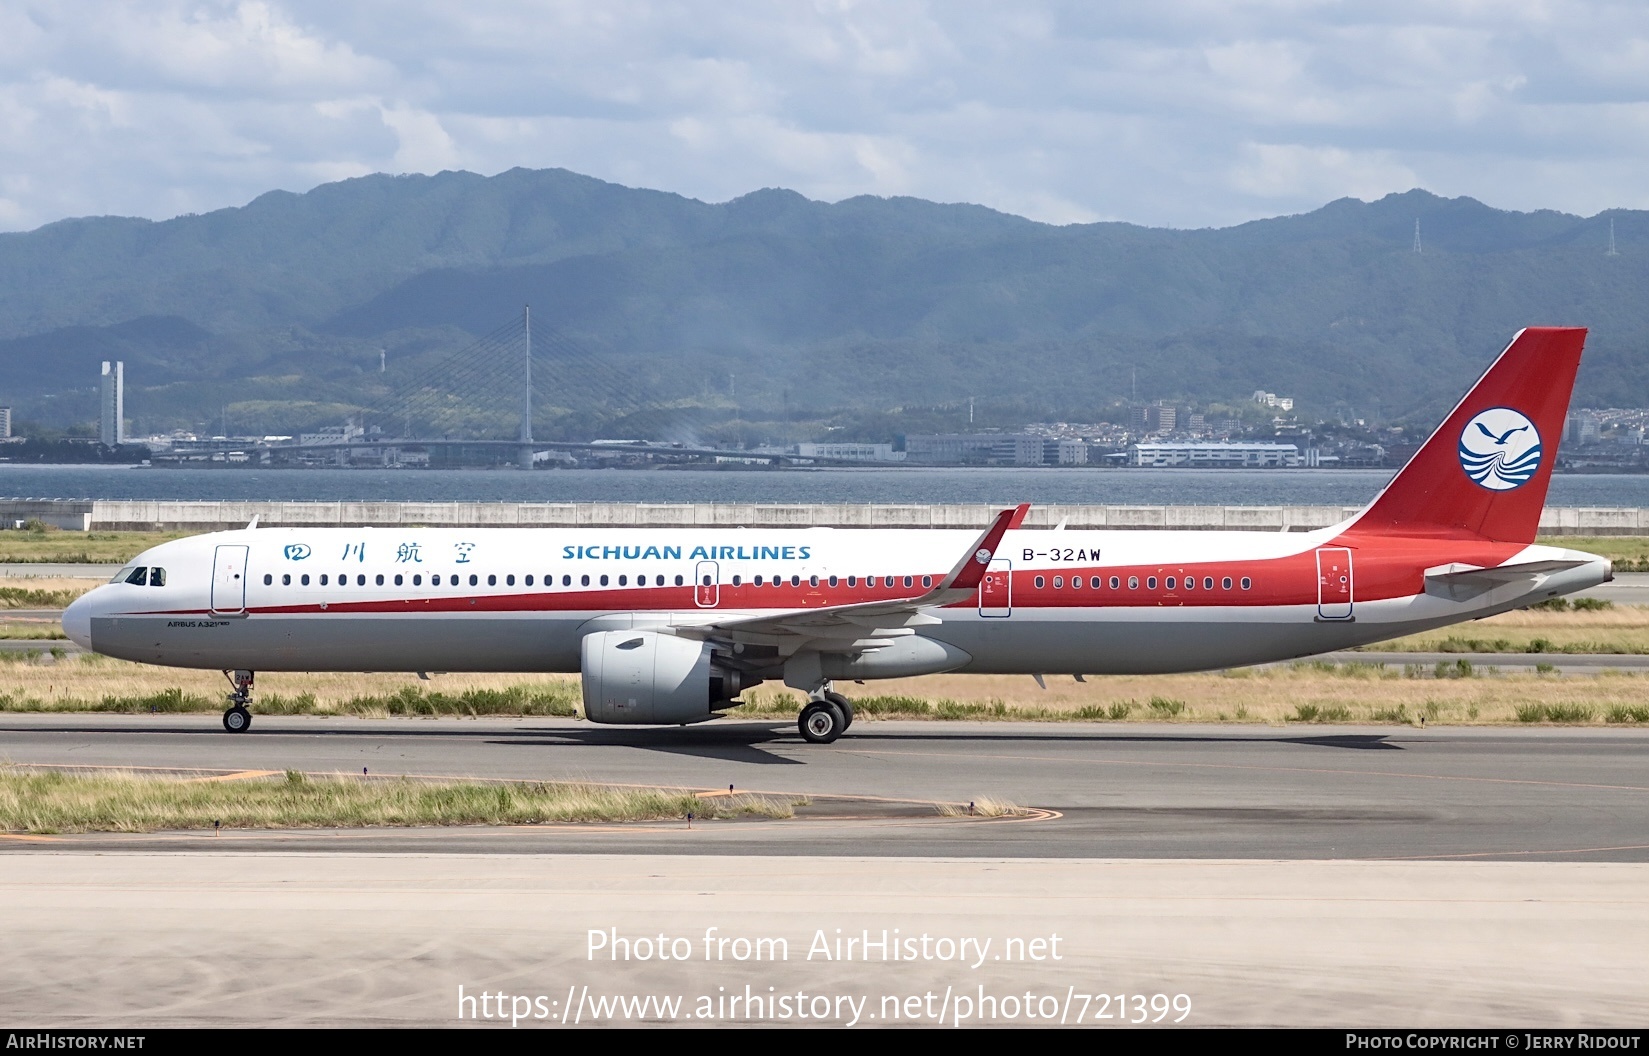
point(1075, 602)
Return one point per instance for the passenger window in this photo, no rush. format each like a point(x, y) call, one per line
point(323, 579)
point(832, 581)
point(268, 580)
point(1226, 583)
point(757, 581)
point(1059, 582)
point(509, 581)
point(1170, 583)
point(812, 581)
point(1115, 581)
point(1076, 582)
point(707, 581)
point(379, 579)
point(286, 580)
point(887, 581)
point(737, 580)
point(1150, 582)
point(304, 579)
point(852, 581)
point(492, 581)
point(1190, 582)
point(584, 581)
point(139, 577)
point(909, 581)
point(476, 580)
point(658, 581)
point(360, 580)
point(1246, 583)
point(623, 581)
point(678, 581)
point(795, 581)
point(1207, 582)
point(1133, 582)
point(603, 580)
point(417, 580)
point(927, 581)
point(566, 581)
point(399, 579)
point(1040, 581)
point(1096, 582)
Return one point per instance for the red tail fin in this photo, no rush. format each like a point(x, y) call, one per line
point(1484, 472)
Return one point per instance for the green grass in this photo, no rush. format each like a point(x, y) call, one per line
point(50, 546)
point(1555, 713)
point(25, 598)
point(555, 700)
point(58, 802)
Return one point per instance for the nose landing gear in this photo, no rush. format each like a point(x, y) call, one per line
point(238, 719)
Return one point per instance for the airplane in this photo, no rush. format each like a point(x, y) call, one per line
point(669, 626)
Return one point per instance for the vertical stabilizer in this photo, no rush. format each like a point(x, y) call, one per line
point(1485, 471)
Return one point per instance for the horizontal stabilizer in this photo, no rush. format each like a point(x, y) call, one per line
point(1458, 581)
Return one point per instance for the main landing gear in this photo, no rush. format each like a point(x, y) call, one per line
point(826, 717)
point(238, 719)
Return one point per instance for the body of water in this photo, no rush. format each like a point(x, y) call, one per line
point(1146, 487)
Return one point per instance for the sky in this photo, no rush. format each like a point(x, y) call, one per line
point(1176, 113)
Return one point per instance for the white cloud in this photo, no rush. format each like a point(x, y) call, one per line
point(1180, 112)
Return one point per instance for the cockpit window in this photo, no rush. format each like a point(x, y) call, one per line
point(157, 577)
point(138, 576)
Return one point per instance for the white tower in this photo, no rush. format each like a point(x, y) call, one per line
point(112, 431)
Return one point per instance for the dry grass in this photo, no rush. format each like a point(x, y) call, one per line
point(1308, 691)
point(32, 630)
point(125, 802)
point(1630, 553)
point(983, 807)
point(59, 547)
point(1619, 629)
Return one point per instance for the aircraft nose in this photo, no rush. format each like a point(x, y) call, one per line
point(77, 622)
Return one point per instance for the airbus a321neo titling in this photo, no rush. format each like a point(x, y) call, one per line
point(669, 626)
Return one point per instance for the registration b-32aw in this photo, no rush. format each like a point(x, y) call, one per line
point(669, 626)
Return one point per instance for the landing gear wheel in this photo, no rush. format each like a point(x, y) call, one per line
point(821, 722)
point(844, 706)
point(237, 720)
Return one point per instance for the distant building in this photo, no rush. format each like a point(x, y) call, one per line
point(112, 422)
point(5, 423)
point(1584, 428)
point(859, 452)
point(1016, 448)
point(1153, 419)
point(1215, 455)
point(1064, 453)
point(1271, 399)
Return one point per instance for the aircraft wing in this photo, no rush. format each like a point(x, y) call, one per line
point(869, 624)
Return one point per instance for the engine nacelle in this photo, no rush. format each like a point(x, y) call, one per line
point(646, 677)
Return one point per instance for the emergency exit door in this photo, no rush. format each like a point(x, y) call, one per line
point(229, 581)
point(996, 589)
point(1334, 583)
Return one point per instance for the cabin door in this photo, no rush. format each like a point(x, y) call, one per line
point(229, 581)
point(996, 589)
point(1334, 583)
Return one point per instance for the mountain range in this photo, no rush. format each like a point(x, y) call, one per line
point(275, 313)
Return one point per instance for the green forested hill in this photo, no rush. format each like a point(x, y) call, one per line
point(868, 302)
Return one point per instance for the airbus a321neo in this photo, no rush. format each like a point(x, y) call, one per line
point(669, 626)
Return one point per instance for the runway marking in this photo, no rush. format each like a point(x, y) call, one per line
point(241, 775)
point(1246, 766)
point(1503, 854)
point(29, 837)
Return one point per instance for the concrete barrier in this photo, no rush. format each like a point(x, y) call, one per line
point(168, 515)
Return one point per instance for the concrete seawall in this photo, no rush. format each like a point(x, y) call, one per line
point(149, 515)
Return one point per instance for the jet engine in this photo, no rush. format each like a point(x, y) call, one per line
point(635, 677)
